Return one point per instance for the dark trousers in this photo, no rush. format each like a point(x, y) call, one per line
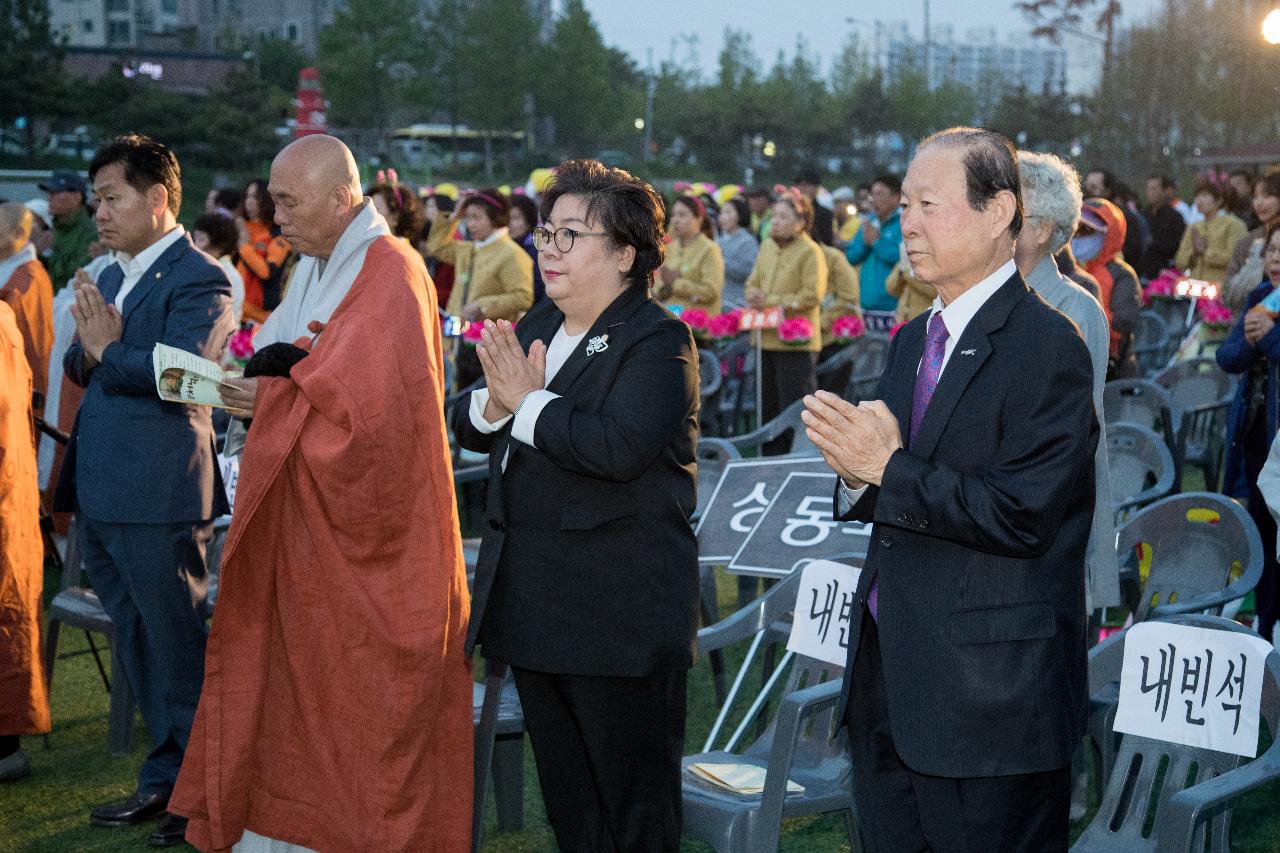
point(785, 378)
point(1266, 594)
point(608, 751)
point(152, 582)
point(901, 811)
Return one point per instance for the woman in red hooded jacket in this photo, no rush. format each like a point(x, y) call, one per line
point(1099, 238)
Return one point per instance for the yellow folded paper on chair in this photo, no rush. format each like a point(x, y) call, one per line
point(740, 778)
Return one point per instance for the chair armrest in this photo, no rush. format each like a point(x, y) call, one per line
point(722, 446)
point(792, 711)
point(470, 474)
point(1185, 809)
point(1239, 589)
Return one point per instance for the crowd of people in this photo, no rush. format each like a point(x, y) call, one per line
point(345, 613)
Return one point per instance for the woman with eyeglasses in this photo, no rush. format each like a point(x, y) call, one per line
point(587, 578)
point(791, 274)
point(493, 277)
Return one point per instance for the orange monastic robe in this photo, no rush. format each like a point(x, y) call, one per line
point(24, 702)
point(29, 293)
point(336, 710)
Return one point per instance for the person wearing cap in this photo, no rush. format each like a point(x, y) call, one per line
point(73, 228)
point(822, 229)
point(1097, 246)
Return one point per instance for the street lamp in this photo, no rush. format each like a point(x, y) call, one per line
point(639, 123)
point(1271, 27)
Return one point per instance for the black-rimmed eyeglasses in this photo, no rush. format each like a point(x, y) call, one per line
point(562, 237)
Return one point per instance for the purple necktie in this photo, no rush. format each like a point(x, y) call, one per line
point(935, 349)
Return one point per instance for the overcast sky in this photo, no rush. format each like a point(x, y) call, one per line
point(638, 25)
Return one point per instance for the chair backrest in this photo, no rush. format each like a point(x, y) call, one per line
point(1194, 383)
point(737, 393)
point(1138, 401)
point(712, 454)
point(1198, 540)
point(869, 355)
point(1141, 465)
point(821, 753)
point(709, 373)
point(1150, 339)
point(1149, 772)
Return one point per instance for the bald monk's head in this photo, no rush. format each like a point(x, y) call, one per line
point(15, 228)
point(316, 188)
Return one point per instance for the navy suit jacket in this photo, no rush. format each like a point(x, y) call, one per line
point(134, 458)
point(979, 538)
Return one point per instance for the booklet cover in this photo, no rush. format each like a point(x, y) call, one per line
point(182, 377)
point(740, 778)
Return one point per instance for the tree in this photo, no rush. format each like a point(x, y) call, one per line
point(32, 82)
point(368, 60)
point(496, 63)
point(578, 82)
point(1051, 18)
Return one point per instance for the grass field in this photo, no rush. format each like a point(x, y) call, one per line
point(48, 813)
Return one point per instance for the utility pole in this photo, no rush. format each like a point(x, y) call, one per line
point(650, 85)
point(928, 45)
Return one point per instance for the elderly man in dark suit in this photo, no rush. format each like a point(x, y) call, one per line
point(965, 691)
point(140, 472)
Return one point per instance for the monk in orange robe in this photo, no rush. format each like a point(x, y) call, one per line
point(336, 709)
point(24, 701)
point(25, 285)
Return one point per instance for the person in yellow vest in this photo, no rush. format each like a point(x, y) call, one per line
point(693, 274)
point(843, 295)
point(791, 273)
point(493, 276)
point(914, 296)
point(1206, 246)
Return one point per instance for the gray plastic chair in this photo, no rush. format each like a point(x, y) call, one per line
point(854, 371)
point(1192, 561)
point(738, 389)
point(1141, 466)
point(804, 742)
point(788, 420)
point(1141, 402)
point(713, 454)
point(1200, 393)
point(498, 720)
point(1151, 342)
point(1167, 797)
point(1191, 567)
point(710, 380)
point(78, 607)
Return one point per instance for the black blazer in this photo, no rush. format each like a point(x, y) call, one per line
point(589, 565)
point(979, 538)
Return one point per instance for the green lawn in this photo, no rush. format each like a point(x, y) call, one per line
point(48, 813)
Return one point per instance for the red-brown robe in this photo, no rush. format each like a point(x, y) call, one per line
point(336, 710)
point(29, 293)
point(24, 701)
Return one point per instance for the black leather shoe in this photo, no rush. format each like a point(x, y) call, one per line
point(172, 830)
point(136, 809)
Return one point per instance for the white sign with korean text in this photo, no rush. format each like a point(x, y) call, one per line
point(230, 466)
point(1194, 686)
point(824, 611)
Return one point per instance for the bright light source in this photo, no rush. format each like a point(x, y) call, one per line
point(639, 124)
point(1271, 27)
point(770, 149)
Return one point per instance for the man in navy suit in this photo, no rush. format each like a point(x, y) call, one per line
point(965, 688)
point(141, 472)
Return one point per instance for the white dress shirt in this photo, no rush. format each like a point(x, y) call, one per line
point(134, 267)
point(562, 346)
point(956, 317)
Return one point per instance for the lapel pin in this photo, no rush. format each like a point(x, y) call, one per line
point(969, 352)
point(599, 343)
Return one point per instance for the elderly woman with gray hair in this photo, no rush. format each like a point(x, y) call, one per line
point(1052, 199)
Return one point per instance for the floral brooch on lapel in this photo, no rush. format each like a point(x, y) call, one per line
point(599, 343)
